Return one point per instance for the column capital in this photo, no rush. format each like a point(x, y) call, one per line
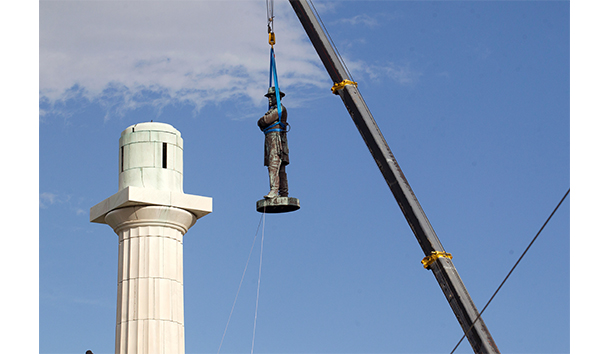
point(136, 196)
point(150, 215)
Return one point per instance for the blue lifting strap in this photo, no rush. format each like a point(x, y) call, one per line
point(274, 130)
point(273, 75)
point(273, 79)
point(270, 129)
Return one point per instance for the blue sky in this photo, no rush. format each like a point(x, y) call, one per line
point(473, 97)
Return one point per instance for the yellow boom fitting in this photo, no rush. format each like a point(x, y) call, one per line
point(339, 85)
point(428, 260)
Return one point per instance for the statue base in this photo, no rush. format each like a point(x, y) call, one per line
point(278, 205)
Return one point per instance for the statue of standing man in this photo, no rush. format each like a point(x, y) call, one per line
point(276, 146)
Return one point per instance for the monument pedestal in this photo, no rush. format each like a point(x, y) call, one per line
point(150, 213)
point(278, 205)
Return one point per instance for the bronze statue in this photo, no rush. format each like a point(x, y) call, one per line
point(276, 146)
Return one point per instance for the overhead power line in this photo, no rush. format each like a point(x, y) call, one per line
point(512, 269)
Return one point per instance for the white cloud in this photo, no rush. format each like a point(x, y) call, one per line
point(62, 200)
point(46, 199)
point(180, 51)
point(127, 54)
point(400, 73)
point(362, 19)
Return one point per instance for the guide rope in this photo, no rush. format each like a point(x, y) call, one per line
point(261, 221)
point(511, 271)
point(258, 287)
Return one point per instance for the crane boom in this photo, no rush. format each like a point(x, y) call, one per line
point(441, 265)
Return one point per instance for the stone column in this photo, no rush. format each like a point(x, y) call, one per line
point(150, 214)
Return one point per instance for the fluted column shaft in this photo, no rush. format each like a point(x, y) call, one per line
point(150, 296)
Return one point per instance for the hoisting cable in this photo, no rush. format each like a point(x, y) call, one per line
point(270, 22)
point(511, 271)
point(273, 70)
point(258, 287)
point(240, 282)
point(338, 85)
point(270, 17)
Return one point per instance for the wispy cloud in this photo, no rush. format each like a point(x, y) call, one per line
point(46, 199)
point(124, 55)
point(400, 73)
point(362, 19)
point(49, 199)
point(196, 52)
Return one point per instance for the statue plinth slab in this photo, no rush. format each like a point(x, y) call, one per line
point(278, 205)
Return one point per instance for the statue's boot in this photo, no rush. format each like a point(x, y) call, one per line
point(283, 183)
point(274, 179)
point(271, 195)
